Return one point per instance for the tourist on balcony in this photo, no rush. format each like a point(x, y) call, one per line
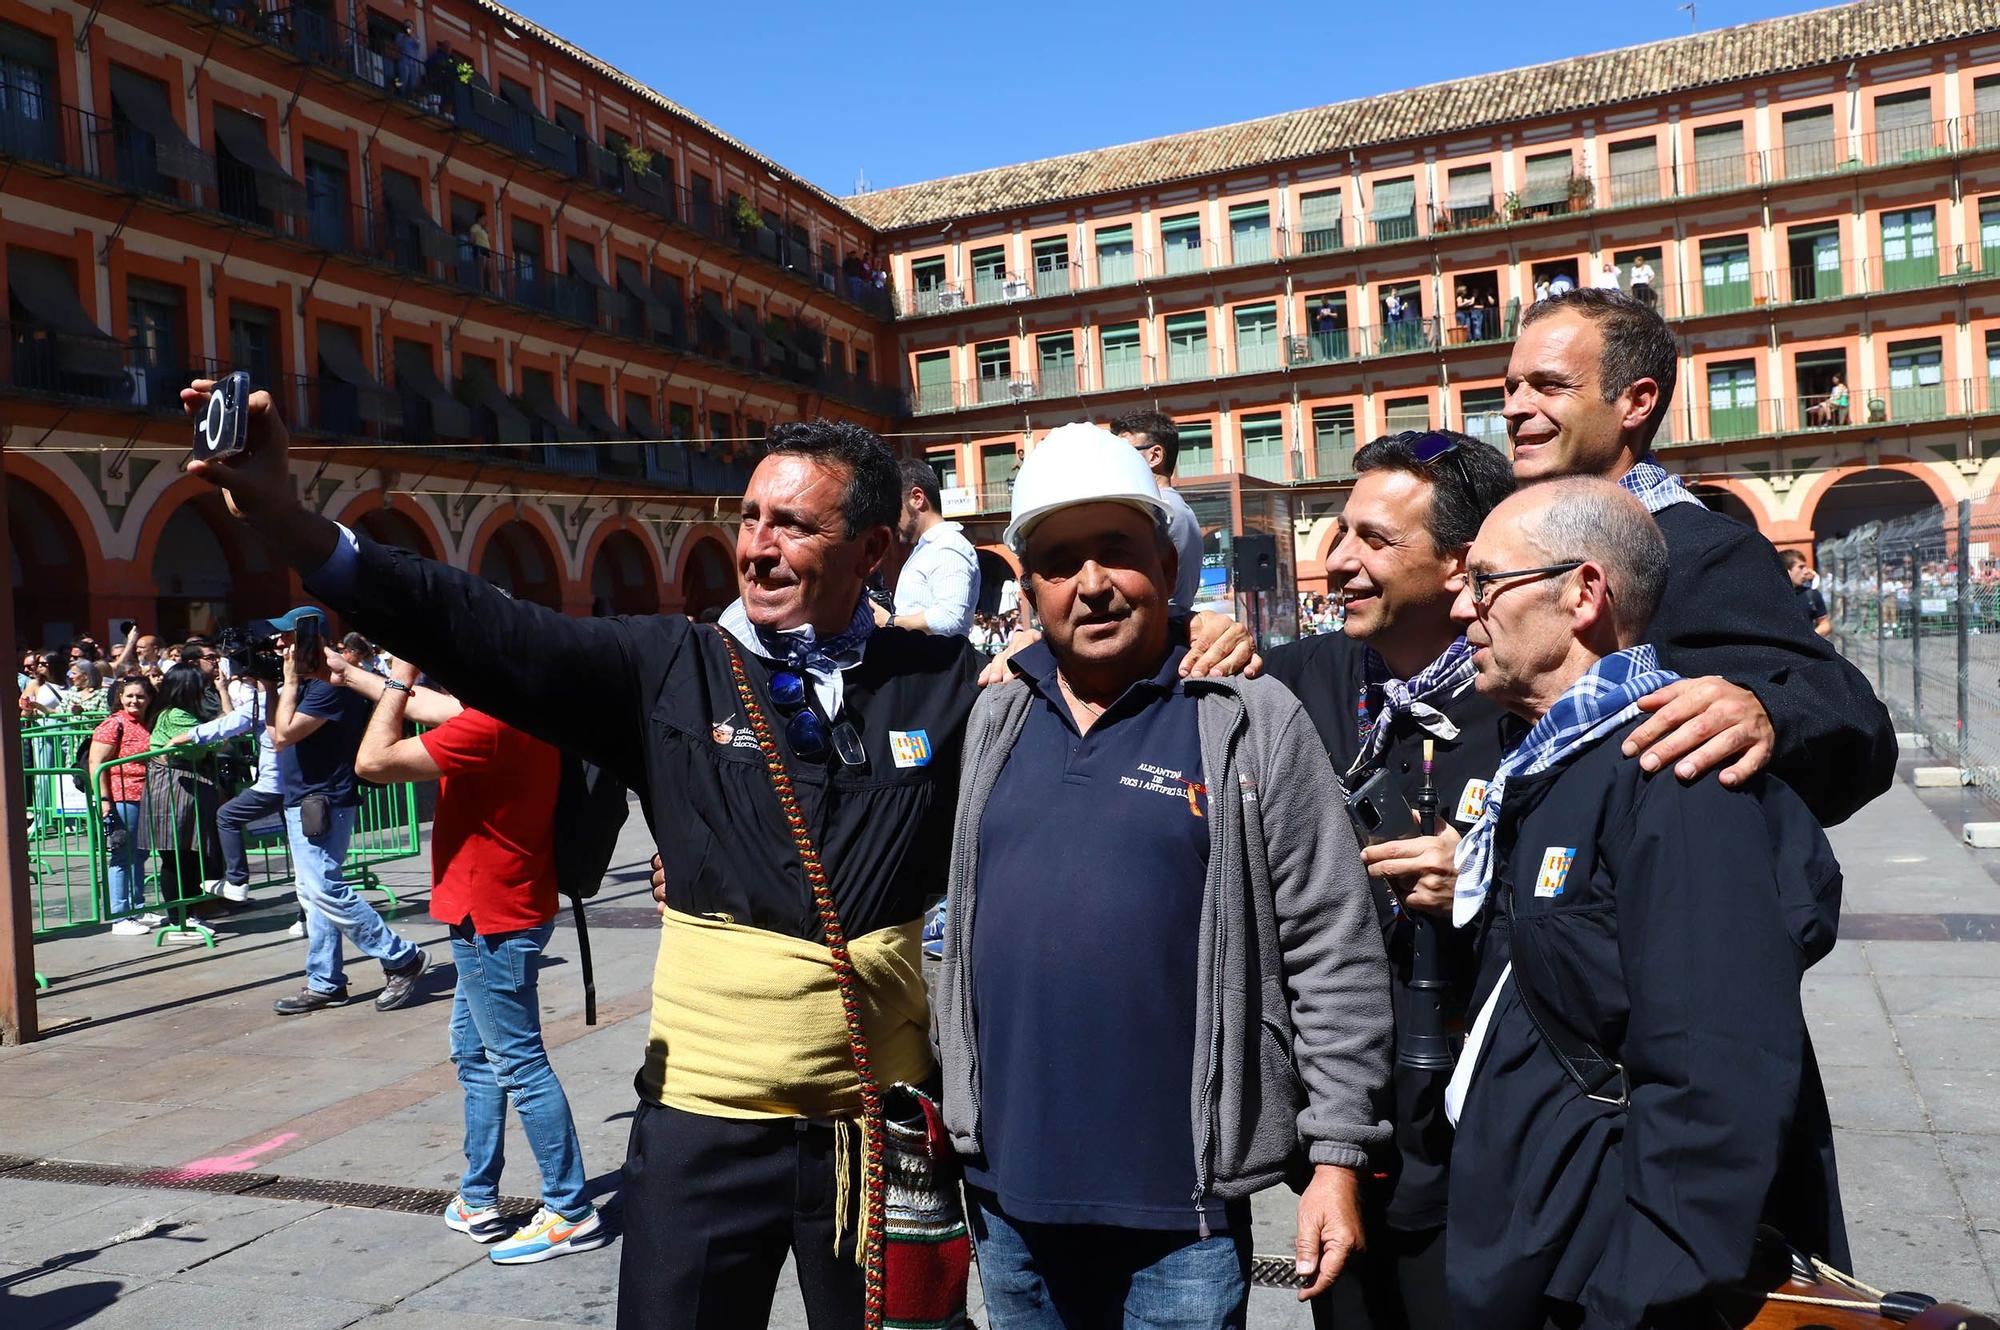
point(1831, 409)
point(1642, 282)
point(1327, 323)
point(1588, 385)
point(1561, 283)
point(1607, 277)
point(409, 61)
point(937, 588)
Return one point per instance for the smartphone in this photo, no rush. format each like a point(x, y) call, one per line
point(125, 629)
point(1380, 811)
point(309, 644)
point(223, 428)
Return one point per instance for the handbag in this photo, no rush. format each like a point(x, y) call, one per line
point(916, 1256)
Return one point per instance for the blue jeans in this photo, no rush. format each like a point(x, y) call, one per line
point(1087, 1277)
point(128, 866)
point(496, 1043)
point(331, 906)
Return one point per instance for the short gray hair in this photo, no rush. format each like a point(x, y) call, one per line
point(1588, 518)
point(1163, 535)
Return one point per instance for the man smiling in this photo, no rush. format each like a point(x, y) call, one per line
point(1588, 385)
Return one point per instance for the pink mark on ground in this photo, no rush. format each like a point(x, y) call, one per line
point(239, 1162)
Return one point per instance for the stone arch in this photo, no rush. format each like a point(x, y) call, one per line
point(406, 525)
point(519, 553)
point(208, 573)
point(1720, 497)
point(997, 566)
point(52, 567)
point(1851, 496)
point(623, 579)
point(707, 575)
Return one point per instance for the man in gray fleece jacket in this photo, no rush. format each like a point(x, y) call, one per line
point(1163, 978)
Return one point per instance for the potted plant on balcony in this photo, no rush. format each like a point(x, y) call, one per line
point(1511, 205)
point(1580, 191)
point(637, 160)
point(743, 215)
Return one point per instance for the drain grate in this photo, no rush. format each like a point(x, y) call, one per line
point(324, 1191)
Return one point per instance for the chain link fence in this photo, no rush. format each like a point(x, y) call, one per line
point(1915, 603)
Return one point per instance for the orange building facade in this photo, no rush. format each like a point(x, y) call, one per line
point(1812, 202)
point(519, 311)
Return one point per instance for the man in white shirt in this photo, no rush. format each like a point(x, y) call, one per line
point(1159, 442)
point(938, 588)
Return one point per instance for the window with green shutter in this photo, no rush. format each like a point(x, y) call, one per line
point(1114, 255)
point(994, 362)
point(1732, 400)
point(1546, 188)
point(1333, 442)
point(1187, 346)
point(1725, 274)
point(945, 463)
point(1904, 128)
point(1635, 171)
point(1989, 234)
point(1055, 356)
point(1469, 194)
point(1180, 243)
point(1909, 249)
point(997, 465)
point(1916, 380)
point(927, 281)
point(1405, 413)
point(989, 273)
point(1051, 265)
point(1256, 338)
point(1250, 232)
point(1197, 455)
point(1395, 213)
point(1719, 159)
point(1481, 409)
point(1264, 445)
point(1121, 359)
point(1983, 130)
point(934, 381)
point(1319, 221)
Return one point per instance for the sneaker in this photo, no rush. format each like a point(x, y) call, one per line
point(151, 918)
point(238, 892)
point(130, 928)
point(309, 1000)
point(402, 985)
point(933, 934)
point(298, 928)
point(480, 1225)
point(548, 1235)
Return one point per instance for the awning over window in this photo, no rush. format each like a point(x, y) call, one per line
point(659, 315)
point(1472, 188)
point(41, 285)
point(243, 137)
point(404, 200)
point(538, 399)
point(1395, 198)
point(1548, 179)
point(583, 264)
point(591, 414)
point(342, 359)
point(450, 418)
point(510, 423)
point(639, 421)
point(144, 104)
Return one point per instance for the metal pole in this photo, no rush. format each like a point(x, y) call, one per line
point(17, 920)
point(1917, 638)
point(1881, 625)
point(1964, 625)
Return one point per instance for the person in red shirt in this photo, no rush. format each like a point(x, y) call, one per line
point(493, 881)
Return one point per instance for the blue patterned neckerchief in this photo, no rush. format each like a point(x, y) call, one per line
point(1656, 487)
point(822, 659)
point(1441, 678)
point(1603, 699)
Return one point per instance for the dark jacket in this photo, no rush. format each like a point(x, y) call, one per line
point(1292, 1014)
point(1326, 672)
point(1675, 942)
point(650, 699)
point(1729, 610)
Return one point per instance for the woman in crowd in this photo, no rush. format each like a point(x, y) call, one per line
point(120, 791)
point(181, 799)
point(86, 689)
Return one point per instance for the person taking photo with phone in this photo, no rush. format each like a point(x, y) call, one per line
point(316, 729)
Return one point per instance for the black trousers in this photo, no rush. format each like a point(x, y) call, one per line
point(711, 1206)
point(1397, 1284)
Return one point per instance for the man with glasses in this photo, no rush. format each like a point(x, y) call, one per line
point(734, 1149)
point(1638, 1093)
point(1395, 679)
point(1588, 386)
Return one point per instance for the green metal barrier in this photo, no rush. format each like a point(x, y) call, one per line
point(172, 846)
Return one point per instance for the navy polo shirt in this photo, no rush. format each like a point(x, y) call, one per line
point(323, 761)
point(1093, 855)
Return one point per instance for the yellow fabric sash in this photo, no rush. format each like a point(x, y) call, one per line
point(747, 1023)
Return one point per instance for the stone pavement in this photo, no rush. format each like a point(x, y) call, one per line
point(173, 1061)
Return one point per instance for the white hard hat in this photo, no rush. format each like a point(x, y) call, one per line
point(1079, 463)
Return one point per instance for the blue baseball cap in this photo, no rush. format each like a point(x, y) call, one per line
point(289, 620)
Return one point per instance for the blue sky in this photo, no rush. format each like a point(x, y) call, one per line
point(909, 91)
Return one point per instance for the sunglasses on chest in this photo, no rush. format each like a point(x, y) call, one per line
point(808, 735)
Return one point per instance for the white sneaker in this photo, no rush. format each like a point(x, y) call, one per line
point(298, 929)
point(130, 928)
point(151, 918)
point(238, 892)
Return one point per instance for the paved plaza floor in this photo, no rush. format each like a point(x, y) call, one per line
point(165, 1070)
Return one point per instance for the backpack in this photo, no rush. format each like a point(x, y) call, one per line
point(590, 812)
point(80, 760)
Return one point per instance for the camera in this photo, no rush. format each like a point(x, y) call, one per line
point(251, 657)
point(224, 425)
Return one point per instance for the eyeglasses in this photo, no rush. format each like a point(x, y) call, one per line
point(1436, 445)
point(805, 731)
point(1481, 582)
